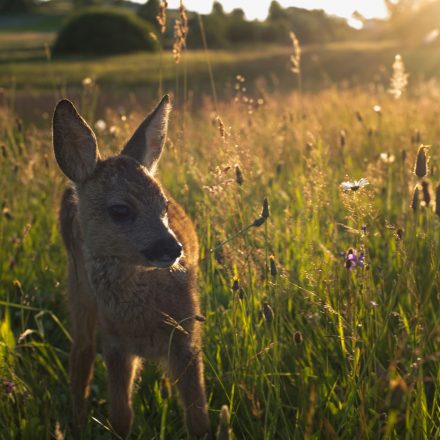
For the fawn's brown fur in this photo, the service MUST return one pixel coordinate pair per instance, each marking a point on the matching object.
(126, 271)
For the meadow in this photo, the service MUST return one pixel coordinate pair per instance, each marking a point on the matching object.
(301, 340)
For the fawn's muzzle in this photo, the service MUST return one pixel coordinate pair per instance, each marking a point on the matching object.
(163, 252)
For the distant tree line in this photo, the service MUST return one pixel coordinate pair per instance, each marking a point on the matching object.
(16, 5)
(223, 30)
(226, 29)
(23, 6)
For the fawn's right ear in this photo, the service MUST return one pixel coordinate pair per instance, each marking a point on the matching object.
(74, 142)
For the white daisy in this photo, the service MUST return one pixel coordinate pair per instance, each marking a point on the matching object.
(355, 185)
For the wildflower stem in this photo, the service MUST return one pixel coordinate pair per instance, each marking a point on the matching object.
(266, 258)
(389, 189)
(232, 237)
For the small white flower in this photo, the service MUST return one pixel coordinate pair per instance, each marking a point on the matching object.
(387, 157)
(114, 130)
(87, 82)
(100, 125)
(377, 108)
(355, 185)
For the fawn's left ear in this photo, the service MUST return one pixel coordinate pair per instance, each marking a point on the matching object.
(74, 143)
(148, 140)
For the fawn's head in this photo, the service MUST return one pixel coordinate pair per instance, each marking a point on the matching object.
(122, 208)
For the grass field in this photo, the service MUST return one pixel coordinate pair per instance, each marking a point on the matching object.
(295, 343)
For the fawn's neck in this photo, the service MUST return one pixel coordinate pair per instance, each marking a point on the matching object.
(109, 274)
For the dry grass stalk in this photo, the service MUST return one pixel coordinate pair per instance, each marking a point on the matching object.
(221, 127)
(162, 17)
(180, 33)
(399, 79)
(295, 58)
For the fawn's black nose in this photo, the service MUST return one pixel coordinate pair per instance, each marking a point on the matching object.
(163, 250)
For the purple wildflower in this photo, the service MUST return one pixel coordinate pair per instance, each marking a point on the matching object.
(8, 386)
(352, 260)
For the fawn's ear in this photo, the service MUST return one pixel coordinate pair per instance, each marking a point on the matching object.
(74, 143)
(148, 140)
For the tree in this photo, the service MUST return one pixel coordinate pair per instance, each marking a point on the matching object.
(276, 12)
(217, 9)
(16, 5)
(237, 14)
(81, 3)
(149, 11)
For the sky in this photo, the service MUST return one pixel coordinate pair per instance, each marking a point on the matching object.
(258, 8)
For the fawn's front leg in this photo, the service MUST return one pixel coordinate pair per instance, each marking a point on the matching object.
(121, 372)
(82, 354)
(186, 370)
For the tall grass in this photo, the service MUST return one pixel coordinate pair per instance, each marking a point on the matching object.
(297, 345)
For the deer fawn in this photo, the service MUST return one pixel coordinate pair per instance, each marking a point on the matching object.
(132, 268)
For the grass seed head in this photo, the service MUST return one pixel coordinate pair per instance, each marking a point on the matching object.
(265, 213)
(298, 337)
(238, 175)
(162, 17)
(268, 312)
(273, 266)
(399, 78)
(221, 127)
(235, 283)
(180, 33)
(295, 58)
(426, 193)
(421, 166)
(415, 199)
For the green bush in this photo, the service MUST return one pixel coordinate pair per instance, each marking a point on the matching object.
(103, 31)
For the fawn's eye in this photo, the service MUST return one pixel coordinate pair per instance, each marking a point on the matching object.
(120, 213)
